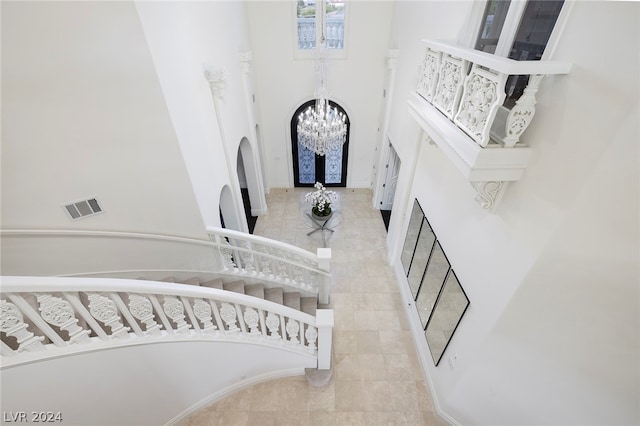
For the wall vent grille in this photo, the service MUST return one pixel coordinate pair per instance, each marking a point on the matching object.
(83, 208)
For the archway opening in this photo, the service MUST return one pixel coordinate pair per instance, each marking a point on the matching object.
(249, 187)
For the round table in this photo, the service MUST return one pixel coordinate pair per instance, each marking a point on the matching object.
(322, 226)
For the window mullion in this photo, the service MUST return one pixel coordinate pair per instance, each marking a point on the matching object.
(510, 28)
(320, 21)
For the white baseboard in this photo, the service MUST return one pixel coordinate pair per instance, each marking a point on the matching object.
(424, 356)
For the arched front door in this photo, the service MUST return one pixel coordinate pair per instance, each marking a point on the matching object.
(309, 168)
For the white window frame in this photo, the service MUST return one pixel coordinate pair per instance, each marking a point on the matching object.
(511, 25)
(308, 54)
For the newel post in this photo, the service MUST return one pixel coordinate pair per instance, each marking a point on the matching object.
(324, 264)
(324, 324)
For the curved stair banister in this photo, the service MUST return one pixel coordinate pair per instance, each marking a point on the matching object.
(235, 253)
(276, 261)
(45, 317)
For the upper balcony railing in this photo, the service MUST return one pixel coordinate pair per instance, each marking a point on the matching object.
(334, 33)
(459, 104)
(468, 87)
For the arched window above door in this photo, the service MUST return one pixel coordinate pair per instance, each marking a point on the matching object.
(309, 168)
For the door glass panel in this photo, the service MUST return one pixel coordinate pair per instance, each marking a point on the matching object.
(333, 166)
(307, 164)
(432, 283)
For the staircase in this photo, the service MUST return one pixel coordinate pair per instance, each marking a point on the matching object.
(179, 331)
(291, 299)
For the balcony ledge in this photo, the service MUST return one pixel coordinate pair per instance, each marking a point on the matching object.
(458, 103)
(493, 163)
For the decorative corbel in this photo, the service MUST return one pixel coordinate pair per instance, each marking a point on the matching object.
(488, 193)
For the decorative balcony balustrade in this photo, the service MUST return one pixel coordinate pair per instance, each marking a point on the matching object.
(459, 104)
(43, 317)
(334, 33)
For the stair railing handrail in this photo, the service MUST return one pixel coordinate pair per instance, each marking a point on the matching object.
(183, 311)
(236, 253)
(258, 256)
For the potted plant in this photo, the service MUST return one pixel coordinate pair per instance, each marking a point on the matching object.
(320, 201)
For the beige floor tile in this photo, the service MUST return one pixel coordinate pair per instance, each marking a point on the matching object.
(376, 376)
(349, 396)
(369, 342)
(376, 396)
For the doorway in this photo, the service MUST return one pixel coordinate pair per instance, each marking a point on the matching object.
(392, 170)
(309, 168)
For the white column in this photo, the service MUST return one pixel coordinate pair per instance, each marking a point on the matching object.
(258, 161)
(217, 83)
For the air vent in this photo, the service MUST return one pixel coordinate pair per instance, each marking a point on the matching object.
(83, 208)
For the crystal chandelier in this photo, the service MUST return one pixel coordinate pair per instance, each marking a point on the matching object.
(321, 128)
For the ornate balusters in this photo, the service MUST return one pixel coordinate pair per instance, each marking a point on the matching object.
(12, 323)
(202, 311)
(104, 310)
(522, 113)
(449, 84)
(483, 94)
(228, 314)
(311, 334)
(226, 253)
(142, 310)
(273, 324)
(179, 311)
(293, 329)
(60, 313)
(252, 319)
(174, 309)
(429, 74)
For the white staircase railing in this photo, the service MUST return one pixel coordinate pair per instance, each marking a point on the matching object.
(238, 254)
(253, 256)
(44, 317)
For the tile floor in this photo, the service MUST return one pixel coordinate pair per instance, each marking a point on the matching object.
(377, 378)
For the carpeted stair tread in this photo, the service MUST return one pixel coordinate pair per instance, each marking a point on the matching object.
(274, 295)
(292, 300)
(237, 286)
(217, 283)
(168, 280)
(191, 281)
(308, 305)
(255, 290)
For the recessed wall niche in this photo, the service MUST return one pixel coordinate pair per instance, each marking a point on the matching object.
(438, 295)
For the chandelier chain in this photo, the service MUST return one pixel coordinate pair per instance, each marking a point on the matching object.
(322, 128)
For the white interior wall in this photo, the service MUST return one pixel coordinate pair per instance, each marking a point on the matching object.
(149, 384)
(83, 116)
(284, 83)
(553, 320)
(184, 38)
